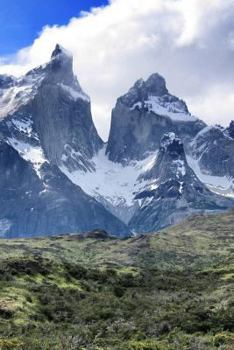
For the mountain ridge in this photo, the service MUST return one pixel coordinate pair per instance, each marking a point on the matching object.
(46, 118)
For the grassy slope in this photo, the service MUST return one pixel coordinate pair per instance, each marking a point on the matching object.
(169, 291)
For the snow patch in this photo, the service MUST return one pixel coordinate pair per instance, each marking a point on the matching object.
(222, 185)
(18, 95)
(114, 182)
(74, 93)
(172, 109)
(180, 168)
(33, 154)
(23, 125)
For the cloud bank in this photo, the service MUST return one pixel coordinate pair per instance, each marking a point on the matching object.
(191, 43)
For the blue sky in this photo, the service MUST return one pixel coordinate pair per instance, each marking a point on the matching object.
(22, 20)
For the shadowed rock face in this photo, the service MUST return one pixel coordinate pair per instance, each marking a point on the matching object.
(142, 116)
(178, 194)
(70, 136)
(48, 205)
(214, 148)
(230, 129)
(6, 81)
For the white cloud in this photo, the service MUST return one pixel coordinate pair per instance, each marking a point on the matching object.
(189, 42)
(217, 101)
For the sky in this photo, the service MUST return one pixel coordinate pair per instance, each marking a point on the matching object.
(22, 20)
(116, 42)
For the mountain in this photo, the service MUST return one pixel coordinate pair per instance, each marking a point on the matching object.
(175, 192)
(142, 116)
(167, 291)
(45, 124)
(47, 105)
(58, 176)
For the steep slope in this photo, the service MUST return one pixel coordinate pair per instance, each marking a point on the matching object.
(49, 102)
(142, 116)
(177, 191)
(45, 124)
(212, 158)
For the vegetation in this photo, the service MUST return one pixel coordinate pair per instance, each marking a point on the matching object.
(167, 291)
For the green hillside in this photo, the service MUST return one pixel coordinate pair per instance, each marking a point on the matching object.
(168, 291)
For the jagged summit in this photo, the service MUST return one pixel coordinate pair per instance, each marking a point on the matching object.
(171, 161)
(59, 50)
(143, 115)
(156, 85)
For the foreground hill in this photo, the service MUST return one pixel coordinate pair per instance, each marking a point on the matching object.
(169, 291)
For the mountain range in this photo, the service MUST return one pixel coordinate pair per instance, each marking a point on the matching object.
(159, 165)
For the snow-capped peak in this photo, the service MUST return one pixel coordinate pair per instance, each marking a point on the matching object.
(60, 51)
(152, 96)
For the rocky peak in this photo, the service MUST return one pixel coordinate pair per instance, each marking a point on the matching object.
(60, 67)
(59, 70)
(60, 51)
(171, 161)
(156, 85)
(143, 115)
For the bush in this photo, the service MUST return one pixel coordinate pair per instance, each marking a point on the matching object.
(10, 344)
(223, 338)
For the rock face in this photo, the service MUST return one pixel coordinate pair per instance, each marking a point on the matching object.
(230, 129)
(48, 205)
(142, 116)
(212, 155)
(45, 123)
(177, 191)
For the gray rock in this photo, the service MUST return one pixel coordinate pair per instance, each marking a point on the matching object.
(214, 148)
(32, 206)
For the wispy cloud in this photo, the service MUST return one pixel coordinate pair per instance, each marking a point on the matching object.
(189, 42)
